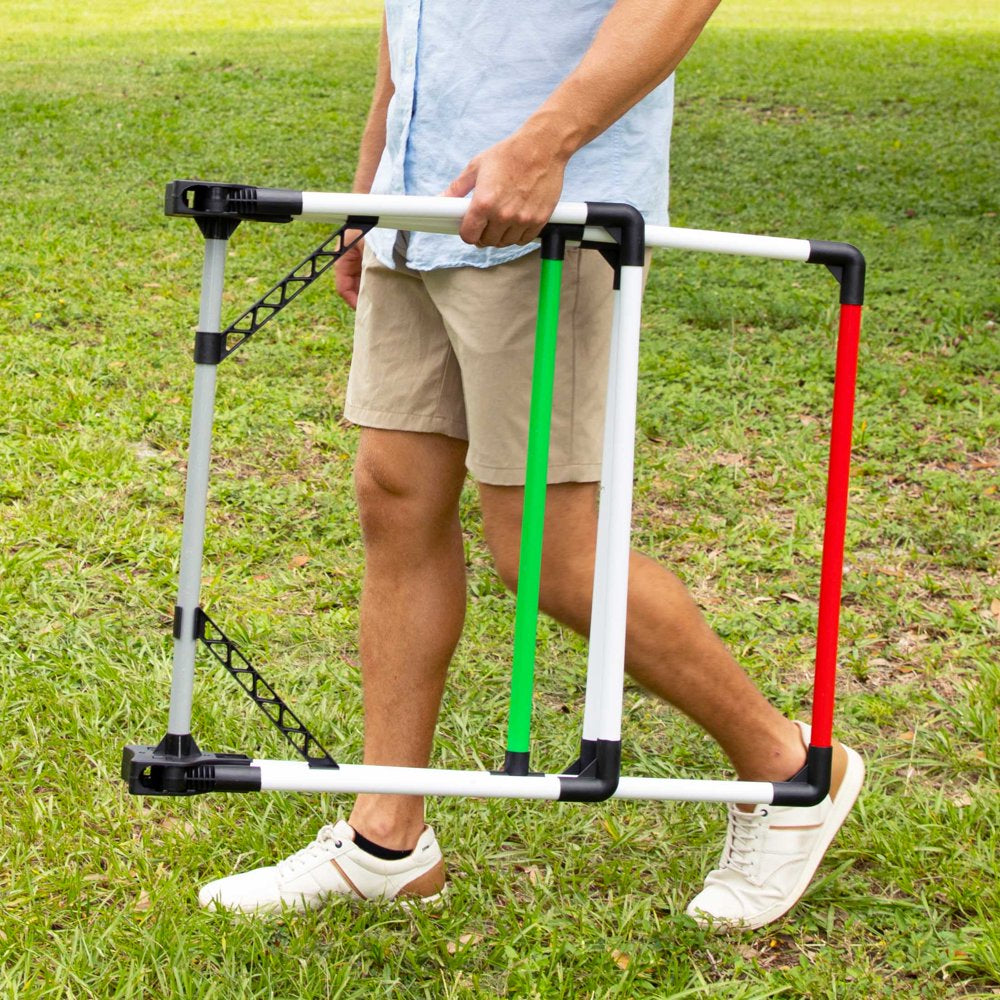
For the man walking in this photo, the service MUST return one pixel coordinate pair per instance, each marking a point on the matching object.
(516, 105)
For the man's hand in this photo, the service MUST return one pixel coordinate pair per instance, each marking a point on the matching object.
(347, 271)
(516, 185)
(518, 181)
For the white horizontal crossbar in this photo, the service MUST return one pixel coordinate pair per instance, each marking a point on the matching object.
(444, 215)
(406, 211)
(298, 776)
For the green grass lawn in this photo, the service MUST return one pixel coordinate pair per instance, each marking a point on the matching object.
(871, 122)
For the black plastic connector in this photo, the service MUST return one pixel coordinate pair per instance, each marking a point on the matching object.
(626, 224)
(177, 767)
(516, 763)
(178, 626)
(211, 348)
(232, 203)
(231, 657)
(846, 263)
(593, 777)
(811, 785)
(554, 238)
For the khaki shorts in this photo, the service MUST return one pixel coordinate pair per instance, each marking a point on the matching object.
(450, 352)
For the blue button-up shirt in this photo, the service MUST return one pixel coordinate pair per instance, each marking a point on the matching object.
(468, 73)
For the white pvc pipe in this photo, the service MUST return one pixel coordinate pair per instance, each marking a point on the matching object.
(295, 776)
(744, 244)
(619, 499)
(598, 606)
(694, 790)
(400, 211)
(444, 215)
(298, 776)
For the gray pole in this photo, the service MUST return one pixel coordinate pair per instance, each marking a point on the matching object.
(196, 496)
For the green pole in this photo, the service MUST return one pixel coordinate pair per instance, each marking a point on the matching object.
(533, 516)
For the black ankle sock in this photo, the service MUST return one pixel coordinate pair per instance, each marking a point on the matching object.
(377, 850)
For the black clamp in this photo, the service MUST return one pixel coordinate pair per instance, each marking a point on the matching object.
(220, 208)
(177, 767)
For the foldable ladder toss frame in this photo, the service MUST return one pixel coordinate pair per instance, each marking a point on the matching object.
(176, 766)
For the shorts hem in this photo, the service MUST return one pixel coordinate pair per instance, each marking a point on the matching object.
(507, 476)
(386, 420)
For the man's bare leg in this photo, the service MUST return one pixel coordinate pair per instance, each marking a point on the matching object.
(412, 609)
(669, 649)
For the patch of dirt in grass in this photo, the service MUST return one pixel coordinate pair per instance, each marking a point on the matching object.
(965, 466)
(898, 662)
(979, 466)
(775, 951)
(767, 112)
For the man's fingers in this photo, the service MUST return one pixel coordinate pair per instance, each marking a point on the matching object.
(501, 236)
(474, 225)
(463, 183)
(505, 228)
(347, 275)
(509, 205)
(474, 221)
(347, 289)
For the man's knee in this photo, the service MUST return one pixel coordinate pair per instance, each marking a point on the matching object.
(401, 493)
(378, 490)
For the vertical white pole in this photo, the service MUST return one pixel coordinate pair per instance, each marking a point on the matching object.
(196, 495)
(598, 627)
(620, 502)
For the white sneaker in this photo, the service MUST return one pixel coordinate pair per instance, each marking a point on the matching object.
(772, 853)
(332, 865)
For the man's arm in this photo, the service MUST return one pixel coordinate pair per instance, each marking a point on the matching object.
(348, 267)
(517, 182)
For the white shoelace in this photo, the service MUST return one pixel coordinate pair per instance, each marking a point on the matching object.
(745, 831)
(320, 849)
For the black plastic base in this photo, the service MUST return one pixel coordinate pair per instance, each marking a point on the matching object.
(178, 767)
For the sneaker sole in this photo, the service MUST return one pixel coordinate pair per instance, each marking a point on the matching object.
(850, 787)
(301, 904)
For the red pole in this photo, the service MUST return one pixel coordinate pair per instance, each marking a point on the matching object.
(838, 479)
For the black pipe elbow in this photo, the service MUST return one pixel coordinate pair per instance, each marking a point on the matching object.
(594, 777)
(846, 263)
(811, 785)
